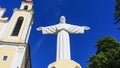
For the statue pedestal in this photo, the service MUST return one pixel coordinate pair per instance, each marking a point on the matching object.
(64, 64)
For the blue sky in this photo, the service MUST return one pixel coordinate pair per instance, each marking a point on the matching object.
(97, 14)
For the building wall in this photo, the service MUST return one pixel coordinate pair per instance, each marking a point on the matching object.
(18, 56)
(7, 51)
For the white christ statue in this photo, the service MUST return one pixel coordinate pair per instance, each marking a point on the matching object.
(63, 41)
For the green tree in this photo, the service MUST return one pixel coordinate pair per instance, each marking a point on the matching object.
(107, 55)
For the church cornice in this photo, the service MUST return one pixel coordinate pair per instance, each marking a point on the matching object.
(13, 43)
(22, 10)
(4, 20)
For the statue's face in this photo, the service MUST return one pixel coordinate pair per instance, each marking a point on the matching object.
(62, 19)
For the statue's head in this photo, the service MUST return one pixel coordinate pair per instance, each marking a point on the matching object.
(62, 19)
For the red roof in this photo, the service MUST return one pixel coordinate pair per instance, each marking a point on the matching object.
(28, 0)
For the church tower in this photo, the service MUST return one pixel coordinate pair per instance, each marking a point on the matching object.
(14, 35)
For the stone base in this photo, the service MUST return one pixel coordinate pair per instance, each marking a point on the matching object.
(64, 64)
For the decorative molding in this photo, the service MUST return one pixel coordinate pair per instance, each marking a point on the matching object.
(13, 43)
(16, 9)
(2, 11)
(5, 19)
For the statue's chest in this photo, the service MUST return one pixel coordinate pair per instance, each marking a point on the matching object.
(62, 27)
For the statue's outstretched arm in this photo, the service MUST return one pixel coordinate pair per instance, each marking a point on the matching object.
(86, 27)
(39, 28)
(47, 29)
(74, 29)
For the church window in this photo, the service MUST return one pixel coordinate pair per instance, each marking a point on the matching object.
(5, 58)
(25, 7)
(17, 26)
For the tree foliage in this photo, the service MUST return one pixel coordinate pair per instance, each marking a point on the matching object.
(107, 55)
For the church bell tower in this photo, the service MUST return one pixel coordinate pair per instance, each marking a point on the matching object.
(14, 35)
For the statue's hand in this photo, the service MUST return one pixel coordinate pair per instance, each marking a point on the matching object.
(39, 28)
(86, 27)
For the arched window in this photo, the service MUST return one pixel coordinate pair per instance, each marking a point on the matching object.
(17, 26)
(25, 7)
